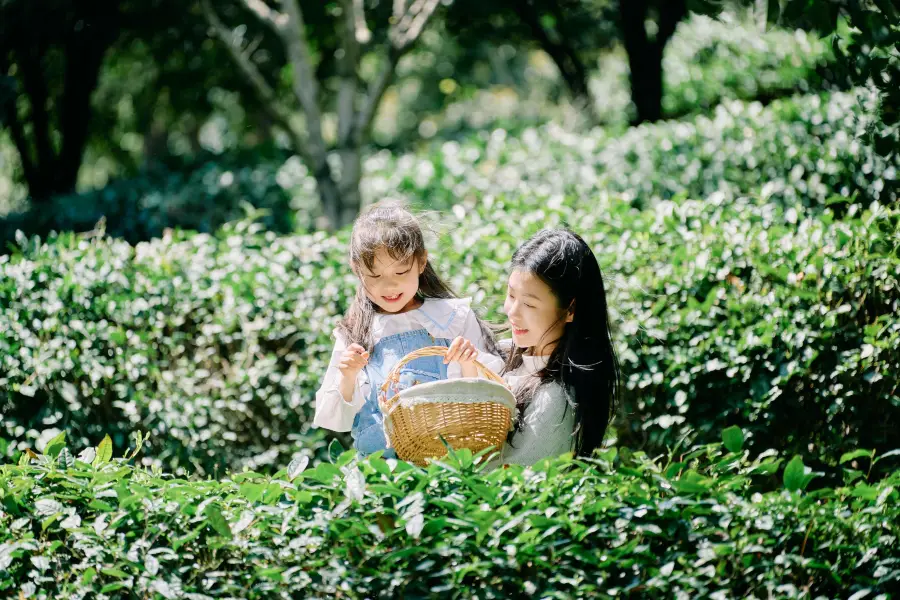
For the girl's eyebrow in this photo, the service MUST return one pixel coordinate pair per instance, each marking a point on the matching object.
(398, 264)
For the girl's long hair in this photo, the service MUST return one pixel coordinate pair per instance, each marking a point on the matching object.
(584, 360)
(393, 228)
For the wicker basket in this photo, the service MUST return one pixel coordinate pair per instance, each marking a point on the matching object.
(468, 413)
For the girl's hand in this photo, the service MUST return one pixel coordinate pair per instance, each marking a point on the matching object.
(353, 360)
(462, 351)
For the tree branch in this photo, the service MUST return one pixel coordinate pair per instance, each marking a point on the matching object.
(304, 83)
(375, 92)
(361, 28)
(242, 60)
(346, 101)
(267, 95)
(411, 24)
(274, 19)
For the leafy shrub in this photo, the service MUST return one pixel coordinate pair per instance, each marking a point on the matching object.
(729, 313)
(201, 197)
(213, 343)
(710, 59)
(711, 522)
(806, 150)
(756, 312)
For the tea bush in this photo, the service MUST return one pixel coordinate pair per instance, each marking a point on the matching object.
(808, 149)
(728, 312)
(201, 198)
(212, 342)
(710, 60)
(805, 150)
(713, 522)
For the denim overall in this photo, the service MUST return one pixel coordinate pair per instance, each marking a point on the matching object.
(368, 432)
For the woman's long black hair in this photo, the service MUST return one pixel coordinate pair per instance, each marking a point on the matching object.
(584, 360)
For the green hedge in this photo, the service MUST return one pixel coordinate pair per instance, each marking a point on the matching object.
(213, 343)
(727, 313)
(202, 197)
(217, 342)
(709, 60)
(713, 522)
(807, 149)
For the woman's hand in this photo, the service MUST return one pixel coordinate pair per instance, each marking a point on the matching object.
(464, 352)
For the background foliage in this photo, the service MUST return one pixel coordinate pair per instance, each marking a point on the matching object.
(167, 267)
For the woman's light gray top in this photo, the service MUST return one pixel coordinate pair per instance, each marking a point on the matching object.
(549, 420)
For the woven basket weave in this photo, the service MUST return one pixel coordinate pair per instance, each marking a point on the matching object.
(468, 413)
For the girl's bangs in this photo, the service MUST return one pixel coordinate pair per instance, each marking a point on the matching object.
(401, 245)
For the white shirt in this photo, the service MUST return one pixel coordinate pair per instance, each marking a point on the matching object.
(549, 421)
(442, 318)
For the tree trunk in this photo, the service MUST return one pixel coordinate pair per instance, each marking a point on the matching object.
(351, 175)
(645, 55)
(84, 58)
(52, 171)
(329, 195)
(571, 67)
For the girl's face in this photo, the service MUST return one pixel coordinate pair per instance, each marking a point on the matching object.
(534, 314)
(392, 284)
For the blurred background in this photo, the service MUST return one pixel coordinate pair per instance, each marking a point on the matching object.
(173, 112)
(132, 129)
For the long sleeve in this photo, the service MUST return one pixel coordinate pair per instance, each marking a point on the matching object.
(548, 426)
(332, 411)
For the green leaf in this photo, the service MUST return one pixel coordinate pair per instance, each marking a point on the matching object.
(866, 492)
(795, 476)
(65, 460)
(104, 452)
(113, 572)
(733, 438)
(55, 445)
(253, 491)
(139, 440)
(335, 450)
(848, 456)
(217, 521)
(179, 542)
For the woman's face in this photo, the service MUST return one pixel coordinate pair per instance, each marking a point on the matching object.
(392, 284)
(534, 314)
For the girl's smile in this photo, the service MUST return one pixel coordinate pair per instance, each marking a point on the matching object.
(392, 284)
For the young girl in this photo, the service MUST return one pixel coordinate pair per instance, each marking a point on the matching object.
(562, 365)
(401, 305)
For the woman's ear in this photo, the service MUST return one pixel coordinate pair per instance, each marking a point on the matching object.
(570, 312)
(424, 262)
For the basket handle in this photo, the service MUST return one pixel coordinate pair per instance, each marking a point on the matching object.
(394, 376)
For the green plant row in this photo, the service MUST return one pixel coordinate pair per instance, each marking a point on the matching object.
(726, 312)
(807, 150)
(714, 521)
